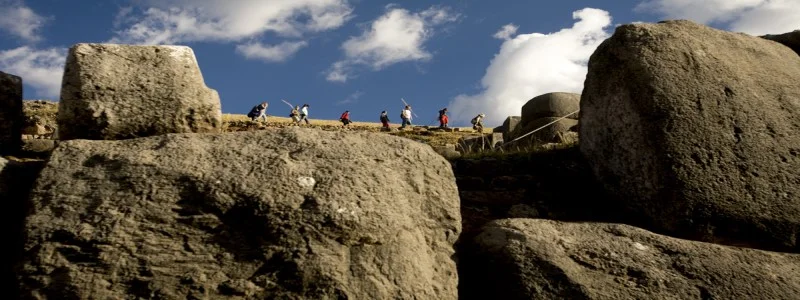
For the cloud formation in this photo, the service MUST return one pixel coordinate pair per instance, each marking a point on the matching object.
(350, 99)
(181, 21)
(271, 53)
(532, 64)
(756, 17)
(155, 22)
(506, 32)
(19, 20)
(39, 69)
(397, 36)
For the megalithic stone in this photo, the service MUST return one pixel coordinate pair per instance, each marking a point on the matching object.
(11, 116)
(112, 92)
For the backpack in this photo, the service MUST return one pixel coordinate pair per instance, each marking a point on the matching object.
(474, 120)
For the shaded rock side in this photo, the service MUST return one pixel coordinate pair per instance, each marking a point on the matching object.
(550, 105)
(550, 134)
(16, 181)
(789, 39)
(10, 113)
(509, 126)
(697, 131)
(543, 259)
(114, 92)
(293, 214)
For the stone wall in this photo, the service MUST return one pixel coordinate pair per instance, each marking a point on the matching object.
(554, 185)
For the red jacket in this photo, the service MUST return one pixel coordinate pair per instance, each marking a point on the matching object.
(345, 116)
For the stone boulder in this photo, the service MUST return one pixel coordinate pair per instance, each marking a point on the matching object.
(16, 179)
(697, 131)
(550, 105)
(789, 39)
(286, 214)
(10, 113)
(448, 151)
(114, 92)
(509, 126)
(40, 117)
(550, 134)
(544, 259)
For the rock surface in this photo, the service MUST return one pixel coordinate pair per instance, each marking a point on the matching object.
(10, 113)
(790, 39)
(550, 105)
(509, 126)
(114, 92)
(697, 131)
(550, 134)
(543, 259)
(290, 214)
(16, 179)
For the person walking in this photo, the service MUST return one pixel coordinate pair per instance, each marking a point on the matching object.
(295, 114)
(304, 114)
(345, 118)
(258, 111)
(443, 119)
(385, 121)
(477, 122)
(406, 116)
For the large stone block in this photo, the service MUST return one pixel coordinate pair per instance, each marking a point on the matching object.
(11, 117)
(550, 105)
(543, 259)
(114, 92)
(697, 131)
(290, 214)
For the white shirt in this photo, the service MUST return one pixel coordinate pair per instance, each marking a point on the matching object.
(407, 113)
(305, 111)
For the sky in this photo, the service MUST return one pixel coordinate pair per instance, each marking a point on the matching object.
(471, 56)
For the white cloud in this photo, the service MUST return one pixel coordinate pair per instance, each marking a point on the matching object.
(506, 32)
(396, 36)
(21, 21)
(352, 98)
(532, 64)
(756, 17)
(271, 53)
(40, 69)
(181, 21)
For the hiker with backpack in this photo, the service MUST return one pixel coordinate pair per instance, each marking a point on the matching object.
(406, 116)
(385, 120)
(304, 114)
(443, 119)
(477, 122)
(295, 114)
(345, 118)
(258, 111)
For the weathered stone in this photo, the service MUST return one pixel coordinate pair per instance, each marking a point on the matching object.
(509, 125)
(37, 147)
(789, 39)
(287, 214)
(550, 105)
(114, 92)
(550, 134)
(543, 259)
(11, 117)
(40, 117)
(448, 151)
(35, 129)
(16, 179)
(697, 131)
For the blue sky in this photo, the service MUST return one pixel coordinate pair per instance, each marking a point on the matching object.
(471, 56)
